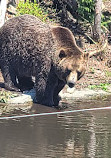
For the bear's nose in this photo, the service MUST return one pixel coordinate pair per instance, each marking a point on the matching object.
(71, 84)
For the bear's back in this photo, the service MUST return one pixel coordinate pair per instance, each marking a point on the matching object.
(25, 33)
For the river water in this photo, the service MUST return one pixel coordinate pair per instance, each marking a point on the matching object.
(84, 134)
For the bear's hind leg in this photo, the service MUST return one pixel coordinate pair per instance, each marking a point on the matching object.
(25, 83)
(9, 79)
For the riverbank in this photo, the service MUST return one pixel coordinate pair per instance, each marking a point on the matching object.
(72, 94)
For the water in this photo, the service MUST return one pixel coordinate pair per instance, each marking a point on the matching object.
(74, 135)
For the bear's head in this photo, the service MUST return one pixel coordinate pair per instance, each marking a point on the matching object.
(69, 60)
(71, 66)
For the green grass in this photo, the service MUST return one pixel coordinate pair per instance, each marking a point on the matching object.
(103, 86)
(6, 95)
(32, 9)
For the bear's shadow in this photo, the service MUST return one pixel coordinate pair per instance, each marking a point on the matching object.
(25, 83)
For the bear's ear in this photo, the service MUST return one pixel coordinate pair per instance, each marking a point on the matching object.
(62, 54)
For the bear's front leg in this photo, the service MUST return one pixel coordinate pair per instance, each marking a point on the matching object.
(58, 88)
(45, 88)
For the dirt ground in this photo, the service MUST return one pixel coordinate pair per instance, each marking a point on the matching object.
(97, 71)
(99, 67)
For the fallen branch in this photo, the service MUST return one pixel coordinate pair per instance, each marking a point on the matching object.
(99, 50)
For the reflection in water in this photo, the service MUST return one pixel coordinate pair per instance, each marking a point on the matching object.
(92, 142)
(75, 135)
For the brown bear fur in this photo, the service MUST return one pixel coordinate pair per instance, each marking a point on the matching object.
(29, 47)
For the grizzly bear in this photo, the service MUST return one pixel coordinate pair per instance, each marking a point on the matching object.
(31, 48)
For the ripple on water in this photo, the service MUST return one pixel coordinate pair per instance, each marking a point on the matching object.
(74, 135)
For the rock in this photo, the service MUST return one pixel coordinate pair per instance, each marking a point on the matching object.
(28, 96)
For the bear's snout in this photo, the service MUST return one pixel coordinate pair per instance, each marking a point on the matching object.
(71, 79)
(71, 84)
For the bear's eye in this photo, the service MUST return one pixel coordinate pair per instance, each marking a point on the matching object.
(62, 54)
(68, 71)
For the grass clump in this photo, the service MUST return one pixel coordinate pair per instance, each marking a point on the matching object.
(32, 9)
(108, 74)
(6, 95)
(103, 86)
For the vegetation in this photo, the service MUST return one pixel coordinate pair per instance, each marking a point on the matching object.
(103, 86)
(86, 9)
(6, 95)
(32, 9)
(106, 19)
